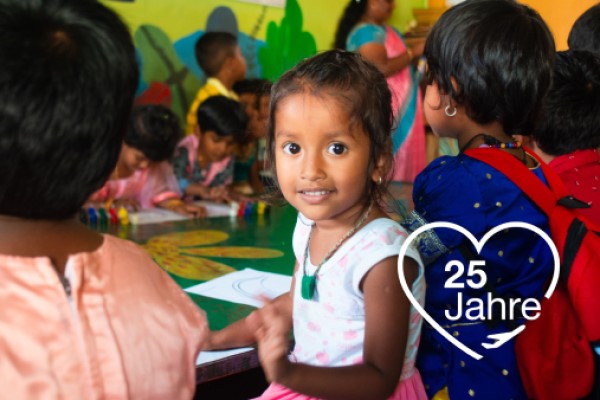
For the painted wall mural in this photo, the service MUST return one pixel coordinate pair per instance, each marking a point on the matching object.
(170, 75)
(287, 43)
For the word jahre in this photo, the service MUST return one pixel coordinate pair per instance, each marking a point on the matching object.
(476, 309)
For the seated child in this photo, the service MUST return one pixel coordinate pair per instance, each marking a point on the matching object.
(568, 134)
(142, 175)
(249, 154)
(203, 162)
(84, 315)
(220, 57)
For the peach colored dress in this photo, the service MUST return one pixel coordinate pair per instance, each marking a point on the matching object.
(125, 331)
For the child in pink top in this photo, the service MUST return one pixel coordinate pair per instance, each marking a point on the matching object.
(142, 175)
(84, 315)
(203, 162)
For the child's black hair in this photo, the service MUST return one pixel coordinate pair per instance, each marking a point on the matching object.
(255, 86)
(362, 91)
(585, 33)
(154, 130)
(212, 49)
(67, 79)
(493, 57)
(571, 113)
(223, 116)
(352, 14)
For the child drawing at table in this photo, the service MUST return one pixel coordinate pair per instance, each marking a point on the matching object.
(489, 66)
(84, 315)
(203, 161)
(143, 177)
(356, 334)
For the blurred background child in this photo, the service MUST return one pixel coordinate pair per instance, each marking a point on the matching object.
(362, 28)
(568, 134)
(249, 153)
(203, 162)
(85, 315)
(143, 178)
(220, 57)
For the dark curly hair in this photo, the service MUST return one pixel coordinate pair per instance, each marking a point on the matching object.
(571, 113)
(67, 80)
(154, 130)
(585, 33)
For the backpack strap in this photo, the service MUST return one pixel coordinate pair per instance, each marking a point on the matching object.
(546, 198)
(575, 235)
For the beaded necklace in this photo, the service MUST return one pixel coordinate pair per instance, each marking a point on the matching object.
(492, 142)
(309, 282)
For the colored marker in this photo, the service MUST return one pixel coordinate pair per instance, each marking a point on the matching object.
(114, 218)
(92, 216)
(123, 216)
(103, 216)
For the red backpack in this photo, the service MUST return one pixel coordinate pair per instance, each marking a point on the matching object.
(554, 352)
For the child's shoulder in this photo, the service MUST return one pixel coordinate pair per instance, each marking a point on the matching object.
(461, 175)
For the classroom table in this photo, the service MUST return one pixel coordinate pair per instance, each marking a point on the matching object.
(195, 251)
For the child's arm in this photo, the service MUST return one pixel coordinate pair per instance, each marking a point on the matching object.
(220, 194)
(242, 333)
(387, 318)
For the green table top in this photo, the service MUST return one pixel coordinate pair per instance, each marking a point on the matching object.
(195, 251)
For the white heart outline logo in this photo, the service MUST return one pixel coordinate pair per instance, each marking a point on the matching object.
(478, 246)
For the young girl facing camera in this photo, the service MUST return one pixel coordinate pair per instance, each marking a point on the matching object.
(489, 66)
(356, 334)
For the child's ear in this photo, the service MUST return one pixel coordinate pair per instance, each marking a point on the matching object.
(380, 170)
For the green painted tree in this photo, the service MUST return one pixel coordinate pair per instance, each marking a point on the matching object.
(286, 44)
(161, 64)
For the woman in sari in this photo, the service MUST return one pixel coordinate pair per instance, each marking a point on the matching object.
(362, 29)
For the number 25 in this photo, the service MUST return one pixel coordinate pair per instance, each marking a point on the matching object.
(460, 269)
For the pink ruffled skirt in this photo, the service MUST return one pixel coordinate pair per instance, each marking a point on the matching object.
(410, 388)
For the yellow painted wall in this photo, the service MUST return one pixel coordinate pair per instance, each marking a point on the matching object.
(560, 16)
(179, 18)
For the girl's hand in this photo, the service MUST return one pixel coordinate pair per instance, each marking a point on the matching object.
(273, 342)
(191, 209)
(219, 194)
(129, 204)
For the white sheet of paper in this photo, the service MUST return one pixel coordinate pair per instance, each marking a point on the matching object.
(244, 287)
(155, 215)
(209, 356)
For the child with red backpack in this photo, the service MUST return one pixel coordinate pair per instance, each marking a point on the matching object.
(567, 138)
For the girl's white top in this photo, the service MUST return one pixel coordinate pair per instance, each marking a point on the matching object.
(329, 329)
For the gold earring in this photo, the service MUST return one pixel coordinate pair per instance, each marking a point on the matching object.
(380, 180)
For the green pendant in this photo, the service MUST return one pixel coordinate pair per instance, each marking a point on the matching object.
(309, 284)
